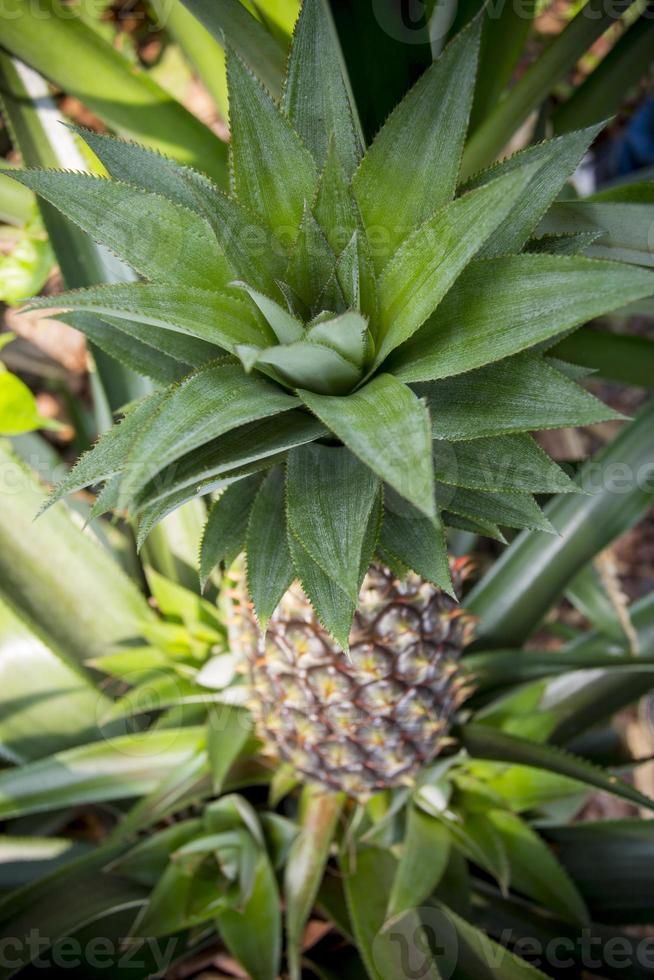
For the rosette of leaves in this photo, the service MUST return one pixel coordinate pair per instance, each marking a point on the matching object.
(352, 336)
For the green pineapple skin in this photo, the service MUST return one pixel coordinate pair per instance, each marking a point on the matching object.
(367, 721)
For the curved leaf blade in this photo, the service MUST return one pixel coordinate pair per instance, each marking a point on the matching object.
(484, 742)
(127, 765)
(387, 427)
(501, 307)
(329, 498)
(270, 569)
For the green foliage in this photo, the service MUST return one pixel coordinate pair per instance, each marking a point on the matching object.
(350, 348)
(330, 496)
(381, 332)
(533, 298)
(270, 567)
(419, 147)
(18, 409)
(69, 52)
(25, 269)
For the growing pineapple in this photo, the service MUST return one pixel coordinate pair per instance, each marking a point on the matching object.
(351, 346)
(368, 721)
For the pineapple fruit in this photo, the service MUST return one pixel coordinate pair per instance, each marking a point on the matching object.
(366, 721)
(350, 345)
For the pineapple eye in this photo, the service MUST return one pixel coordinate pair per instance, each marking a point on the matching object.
(328, 685)
(381, 697)
(294, 695)
(341, 755)
(415, 665)
(371, 662)
(400, 626)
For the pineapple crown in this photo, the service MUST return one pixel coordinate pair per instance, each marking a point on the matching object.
(352, 341)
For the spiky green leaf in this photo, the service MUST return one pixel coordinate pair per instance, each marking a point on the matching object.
(215, 318)
(252, 932)
(330, 496)
(412, 167)
(245, 241)
(387, 427)
(158, 239)
(415, 540)
(503, 306)
(269, 567)
(312, 262)
(264, 441)
(484, 742)
(554, 161)
(142, 166)
(625, 227)
(129, 350)
(187, 351)
(316, 95)
(512, 462)
(335, 208)
(423, 269)
(108, 454)
(226, 528)
(519, 394)
(333, 607)
(274, 173)
(514, 509)
(207, 403)
(567, 243)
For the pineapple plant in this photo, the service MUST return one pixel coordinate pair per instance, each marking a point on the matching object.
(348, 344)
(352, 345)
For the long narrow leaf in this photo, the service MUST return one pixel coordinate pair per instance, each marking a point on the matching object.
(47, 702)
(626, 358)
(554, 161)
(270, 569)
(483, 742)
(274, 172)
(518, 394)
(387, 427)
(503, 306)
(128, 765)
(422, 270)
(624, 227)
(214, 318)
(535, 85)
(316, 91)
(206, 404)
(417, 152)
(306, 863)
(329, 498)
(232, 24)
(32, 116)
(530, 575)
(64, 49)
(62, 595)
